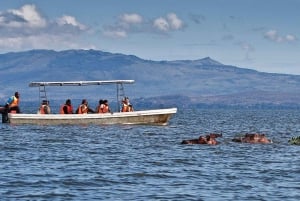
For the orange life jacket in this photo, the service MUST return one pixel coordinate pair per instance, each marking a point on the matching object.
(102, 108)
(105, 109)
(83, 109)
(69, 109)
(42, 109)
(15, 102)
(125, 108)
(99, 108)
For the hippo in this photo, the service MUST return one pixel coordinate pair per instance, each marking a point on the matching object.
(253, 138)
(207, 139)
(295, 140)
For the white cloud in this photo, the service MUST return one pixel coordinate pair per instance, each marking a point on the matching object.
(132, 18)
(170, 23)
(29, 15)
(290, 38)
(25, 28)
(174, 21)
(31, 42)
(161, 24)
(115, 33)
(70, 20)
(134, 23)
(126, 23)
(11, 43)
(274, 36)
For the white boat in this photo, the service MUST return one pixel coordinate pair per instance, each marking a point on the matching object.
(146, 117)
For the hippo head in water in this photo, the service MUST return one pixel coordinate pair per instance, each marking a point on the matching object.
(207, 139)
(253, 138)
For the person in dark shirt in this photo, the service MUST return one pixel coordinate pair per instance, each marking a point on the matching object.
(67, 108)
(12, 104)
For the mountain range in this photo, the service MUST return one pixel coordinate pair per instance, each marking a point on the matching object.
(184, 83)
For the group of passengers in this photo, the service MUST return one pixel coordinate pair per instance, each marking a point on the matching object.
(83, 108)
(12, 106)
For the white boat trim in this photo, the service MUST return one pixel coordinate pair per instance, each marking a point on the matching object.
(151, 117)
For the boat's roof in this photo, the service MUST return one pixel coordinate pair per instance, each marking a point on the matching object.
(80, 83)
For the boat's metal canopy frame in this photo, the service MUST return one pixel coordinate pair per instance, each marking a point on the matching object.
(80, 83)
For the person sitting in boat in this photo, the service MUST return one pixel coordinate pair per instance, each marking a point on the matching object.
(44, 108)
(103, 107)
(207, 139)
(255, 138)
(12, 104)
(99, 106)
(67, 108)
(84, 108)
(126, 106)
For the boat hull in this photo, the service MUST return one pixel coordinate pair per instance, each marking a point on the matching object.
(151, 117)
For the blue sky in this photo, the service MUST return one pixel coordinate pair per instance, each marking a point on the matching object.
(256, 34)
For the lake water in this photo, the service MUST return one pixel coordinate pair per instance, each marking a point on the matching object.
(149, 163)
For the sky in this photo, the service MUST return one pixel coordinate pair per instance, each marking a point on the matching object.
(256, 34)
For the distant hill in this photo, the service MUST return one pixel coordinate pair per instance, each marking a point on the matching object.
(181, 82)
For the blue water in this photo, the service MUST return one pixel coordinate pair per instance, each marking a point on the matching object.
(149, 163)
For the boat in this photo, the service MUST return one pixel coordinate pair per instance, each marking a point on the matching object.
(145, 117)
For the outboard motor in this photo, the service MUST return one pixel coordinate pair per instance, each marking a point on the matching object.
(4, 114)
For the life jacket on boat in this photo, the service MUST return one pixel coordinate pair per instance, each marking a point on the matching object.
(102, 108)
(69, 109)
(99, 108)
(126, 108)
(13, 101)
(44, 109)
(105, 109)
(83, 109)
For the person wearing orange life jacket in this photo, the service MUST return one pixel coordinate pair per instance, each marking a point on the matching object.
(106, 108)
(100, 106)
(67, 108)
(45, 108)
(126, 106)
(12, 104)
(103, 107)
(84, 108)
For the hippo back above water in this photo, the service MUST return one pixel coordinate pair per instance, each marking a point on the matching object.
(207, 139)
(253, 138)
